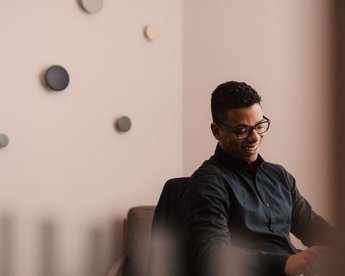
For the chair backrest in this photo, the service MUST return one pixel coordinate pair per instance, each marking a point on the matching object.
(168, 250)
(166, 213)
(142, 221)
(137, 240)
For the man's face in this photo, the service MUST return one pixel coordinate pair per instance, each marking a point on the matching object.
(246, 149)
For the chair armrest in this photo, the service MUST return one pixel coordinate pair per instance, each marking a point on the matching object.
(117, 265)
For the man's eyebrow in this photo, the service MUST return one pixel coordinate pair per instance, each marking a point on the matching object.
(243, 125)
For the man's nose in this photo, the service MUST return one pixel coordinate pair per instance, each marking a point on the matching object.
(254, 136)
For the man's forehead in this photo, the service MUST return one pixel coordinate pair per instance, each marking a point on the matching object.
(246, 115)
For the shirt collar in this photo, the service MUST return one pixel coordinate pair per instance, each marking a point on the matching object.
(232, 162)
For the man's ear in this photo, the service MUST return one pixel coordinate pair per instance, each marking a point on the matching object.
(215, 130)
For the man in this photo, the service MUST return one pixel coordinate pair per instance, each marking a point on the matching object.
(237, 206)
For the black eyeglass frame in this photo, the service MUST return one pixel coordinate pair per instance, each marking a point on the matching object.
(249, 128)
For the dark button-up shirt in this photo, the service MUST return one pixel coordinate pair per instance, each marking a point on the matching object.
(254, 207)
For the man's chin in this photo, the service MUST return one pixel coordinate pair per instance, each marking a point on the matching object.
(251, 158)
(250, 155)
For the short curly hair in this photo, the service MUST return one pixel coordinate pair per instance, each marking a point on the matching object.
(230, 95)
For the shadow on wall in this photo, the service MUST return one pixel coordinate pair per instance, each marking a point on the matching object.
(47, 234)
(6, 256)
(117, 243)
(96, 263)
(93, 259)
(339, 130)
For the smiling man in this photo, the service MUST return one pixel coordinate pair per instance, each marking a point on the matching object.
(239, 209)
(244, 143)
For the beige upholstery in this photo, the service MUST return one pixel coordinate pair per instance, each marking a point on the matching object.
(137, 235)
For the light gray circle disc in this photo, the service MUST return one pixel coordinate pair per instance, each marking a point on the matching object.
(123, 124)
(3, 140)
(92, 6)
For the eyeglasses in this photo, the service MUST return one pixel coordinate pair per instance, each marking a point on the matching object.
(244, 132)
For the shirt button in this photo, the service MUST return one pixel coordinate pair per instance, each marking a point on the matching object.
(267, 204)
(273, 229)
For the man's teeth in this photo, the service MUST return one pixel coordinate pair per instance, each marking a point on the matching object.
(251, 148)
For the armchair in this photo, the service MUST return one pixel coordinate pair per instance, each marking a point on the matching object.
(137, 235)
(141, 222)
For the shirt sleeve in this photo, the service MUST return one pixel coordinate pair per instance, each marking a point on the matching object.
(307, 225)
(204, 210)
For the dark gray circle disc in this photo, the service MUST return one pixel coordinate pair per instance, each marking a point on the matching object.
(57, 78)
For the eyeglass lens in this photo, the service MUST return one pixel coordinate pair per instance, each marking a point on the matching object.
(245, 132)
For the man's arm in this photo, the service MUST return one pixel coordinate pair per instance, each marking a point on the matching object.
(314, 232)
(204, 213)
(306, 225)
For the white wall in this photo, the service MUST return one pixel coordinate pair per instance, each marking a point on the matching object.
(283, 49)
(68, 177)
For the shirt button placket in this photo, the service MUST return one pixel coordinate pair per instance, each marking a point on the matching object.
(272, 228)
